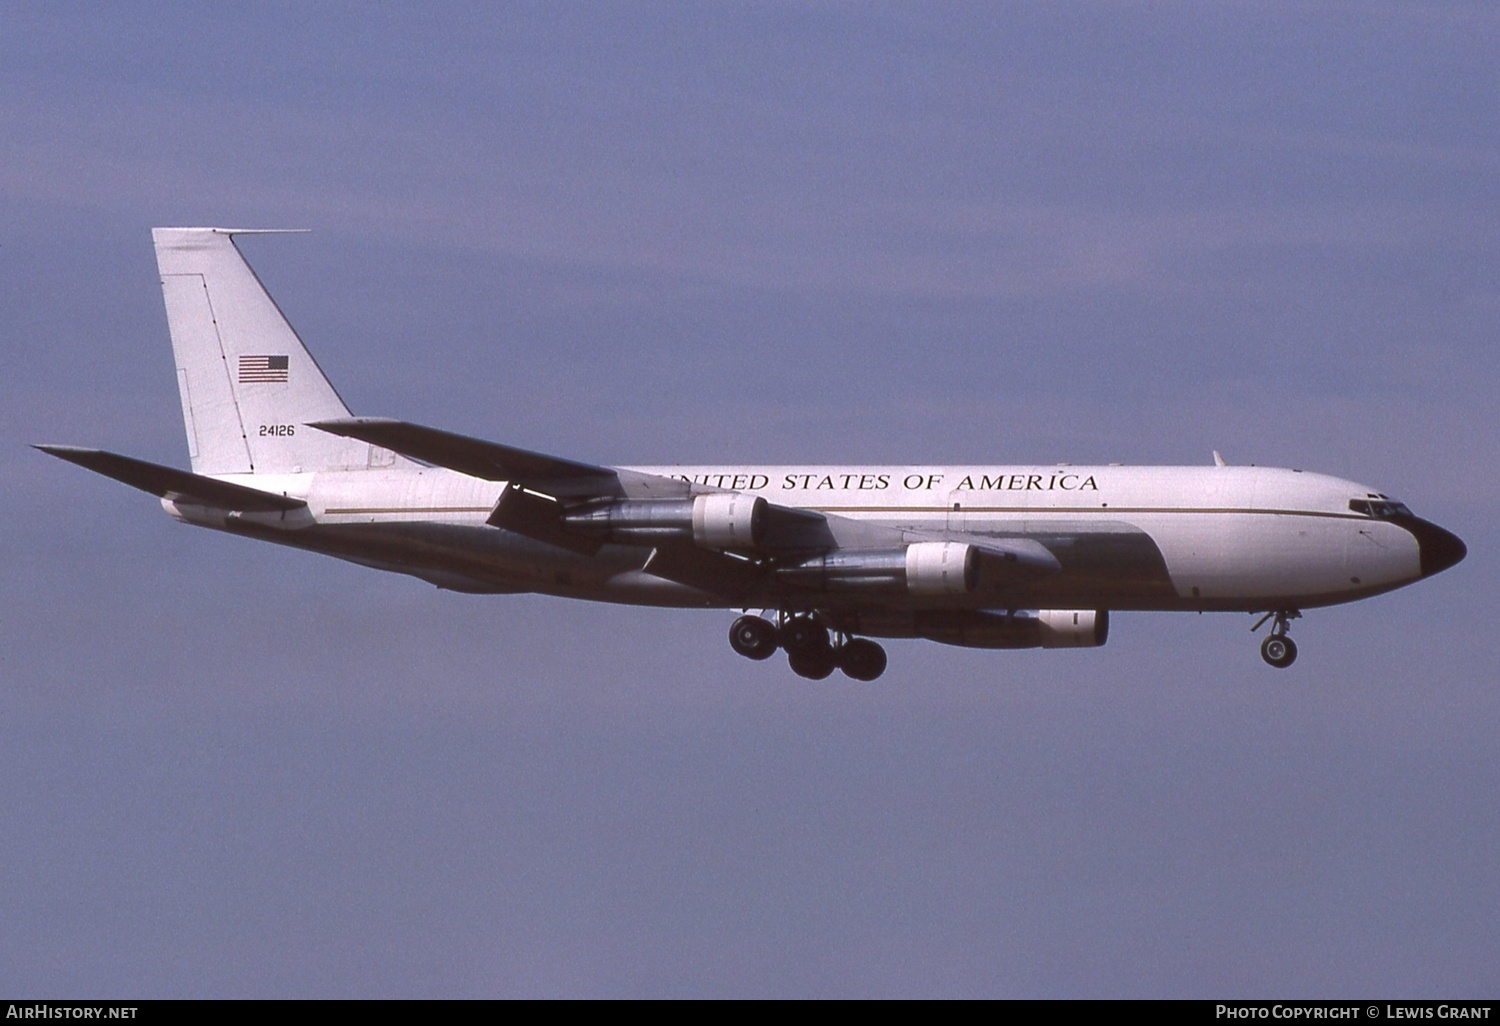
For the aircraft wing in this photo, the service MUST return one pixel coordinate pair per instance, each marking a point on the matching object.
(539, 487)
(173, 484)
(545, 494)
(492, 461)
(541, 490)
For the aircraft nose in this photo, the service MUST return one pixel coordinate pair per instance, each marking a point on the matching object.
(1440, 549)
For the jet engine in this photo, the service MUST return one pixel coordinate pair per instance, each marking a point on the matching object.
(719, 520)
(1073, 628)
(1047, 628)
(922, 568)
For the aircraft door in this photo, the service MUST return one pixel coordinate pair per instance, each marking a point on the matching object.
(956, 515)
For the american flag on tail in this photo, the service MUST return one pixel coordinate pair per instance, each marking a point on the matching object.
(257, 369)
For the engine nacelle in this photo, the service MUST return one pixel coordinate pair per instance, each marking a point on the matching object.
(1073, 628)
(922, 568)
(971, 628)
(941, 568)
(728, 520)
(719, 520)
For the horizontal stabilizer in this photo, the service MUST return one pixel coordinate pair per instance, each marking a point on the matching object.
(171, 483)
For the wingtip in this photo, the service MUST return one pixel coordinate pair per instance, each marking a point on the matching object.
(61, 451)
(262, 231)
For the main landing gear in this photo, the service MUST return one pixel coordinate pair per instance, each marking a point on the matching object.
(1278, 649)
(810, 651)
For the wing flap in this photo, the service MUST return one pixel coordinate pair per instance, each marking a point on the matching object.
(173, 484)
(1013, 561)
(537, 515)
(709, 570)
(789, 529)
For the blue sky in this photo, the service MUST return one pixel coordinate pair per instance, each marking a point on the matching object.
(1130, 232)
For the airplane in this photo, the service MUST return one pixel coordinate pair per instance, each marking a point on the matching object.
(817, 560)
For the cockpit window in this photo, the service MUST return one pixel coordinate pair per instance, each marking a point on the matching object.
(1380, 509)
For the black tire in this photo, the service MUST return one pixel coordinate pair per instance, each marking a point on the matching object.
(862, 659)
(1279, 650)
(804, 636)
(753, 637)
(812, 665)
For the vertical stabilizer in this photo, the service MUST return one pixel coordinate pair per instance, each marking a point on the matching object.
(248, 385)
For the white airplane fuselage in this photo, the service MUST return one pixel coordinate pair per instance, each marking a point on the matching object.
(1222, 538)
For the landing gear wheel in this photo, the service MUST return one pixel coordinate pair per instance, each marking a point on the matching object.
(803, 635)
(862, 659)
(812, 665)
(753, 637)
(1279, 650)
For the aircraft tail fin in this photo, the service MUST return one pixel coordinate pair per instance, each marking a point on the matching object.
(248, 384)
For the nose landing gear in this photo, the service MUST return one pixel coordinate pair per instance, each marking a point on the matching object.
(1278, 649)
(810, 651)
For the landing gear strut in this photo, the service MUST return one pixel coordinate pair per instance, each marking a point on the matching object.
(1278, 649)
(810, 651)
(802, 635)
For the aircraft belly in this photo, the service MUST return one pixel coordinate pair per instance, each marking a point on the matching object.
(459, 556)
